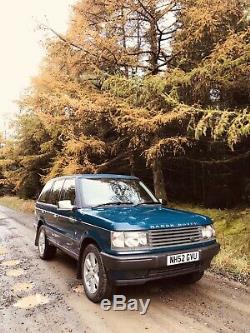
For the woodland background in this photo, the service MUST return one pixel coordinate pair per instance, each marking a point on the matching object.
(158, 89)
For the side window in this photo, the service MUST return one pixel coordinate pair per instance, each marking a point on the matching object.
(68, 191)
(45, 192)
(55, 192)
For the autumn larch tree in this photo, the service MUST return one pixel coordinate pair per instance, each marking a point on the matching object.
(149, 80)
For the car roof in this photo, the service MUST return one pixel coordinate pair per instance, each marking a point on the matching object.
(98, 176)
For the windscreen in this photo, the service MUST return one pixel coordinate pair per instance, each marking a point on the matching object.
(115, 191)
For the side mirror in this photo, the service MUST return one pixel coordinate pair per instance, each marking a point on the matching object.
(65, 205)
(163, 202)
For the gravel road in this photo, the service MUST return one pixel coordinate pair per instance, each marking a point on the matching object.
(39, 296)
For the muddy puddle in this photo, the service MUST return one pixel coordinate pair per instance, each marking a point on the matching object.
(31, 301)
(22, 286)
(15, 272)
(3, 250)
(10, 263)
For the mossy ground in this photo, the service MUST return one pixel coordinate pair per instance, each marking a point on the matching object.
(232, 231)
(26, 206)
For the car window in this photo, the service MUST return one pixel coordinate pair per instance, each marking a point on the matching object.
(45, 192)
(55, 192)
(68, 191)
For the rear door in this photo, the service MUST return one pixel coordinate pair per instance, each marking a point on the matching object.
(52, 206)
(42, 204)
(67, 220)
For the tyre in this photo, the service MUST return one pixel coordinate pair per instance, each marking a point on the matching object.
(46, 250)
(95, 280)
(191, 278)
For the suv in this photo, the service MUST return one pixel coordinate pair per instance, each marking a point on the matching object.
(120, 233)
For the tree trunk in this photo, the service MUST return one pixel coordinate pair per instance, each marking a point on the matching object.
(203, 182)
(132, 164)
(159, 182)
(153, 41)
(124, 43)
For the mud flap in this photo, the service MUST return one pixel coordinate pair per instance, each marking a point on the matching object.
(78, 270)
(36, 239)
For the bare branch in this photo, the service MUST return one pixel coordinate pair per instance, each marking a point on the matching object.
(63, 38)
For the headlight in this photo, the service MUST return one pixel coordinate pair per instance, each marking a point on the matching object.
(117, 239)
(208, 231)
(129, 240)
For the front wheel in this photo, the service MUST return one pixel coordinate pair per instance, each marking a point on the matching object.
(95, 280)
(191, 277)
(46, 251)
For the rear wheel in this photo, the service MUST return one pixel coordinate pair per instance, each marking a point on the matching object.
(46, 250)
(192, 277)
(95, 279)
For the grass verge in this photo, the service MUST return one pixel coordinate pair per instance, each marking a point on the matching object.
(232, 229)
(232, 232)
(26, 206)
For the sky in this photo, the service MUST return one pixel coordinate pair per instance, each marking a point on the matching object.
(22, 49)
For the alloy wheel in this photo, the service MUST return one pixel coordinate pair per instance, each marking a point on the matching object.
(41, 242)
(91, 272)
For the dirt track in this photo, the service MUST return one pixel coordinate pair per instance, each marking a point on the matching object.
(39, 296)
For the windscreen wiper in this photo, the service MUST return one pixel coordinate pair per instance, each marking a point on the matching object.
(148, 203)
(114, 203)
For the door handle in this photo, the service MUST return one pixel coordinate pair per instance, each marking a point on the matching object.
(55, 215)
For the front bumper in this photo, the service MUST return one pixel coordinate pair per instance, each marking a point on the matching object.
(140, 268)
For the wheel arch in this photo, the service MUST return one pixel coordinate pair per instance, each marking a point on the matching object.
(85, 242)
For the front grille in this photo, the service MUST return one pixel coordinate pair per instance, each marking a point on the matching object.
(175, 236)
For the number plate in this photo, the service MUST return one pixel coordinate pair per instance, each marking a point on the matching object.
(181, 258)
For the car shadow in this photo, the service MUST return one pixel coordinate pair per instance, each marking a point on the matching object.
(149, 289)
(65, 260)
(153, 288)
